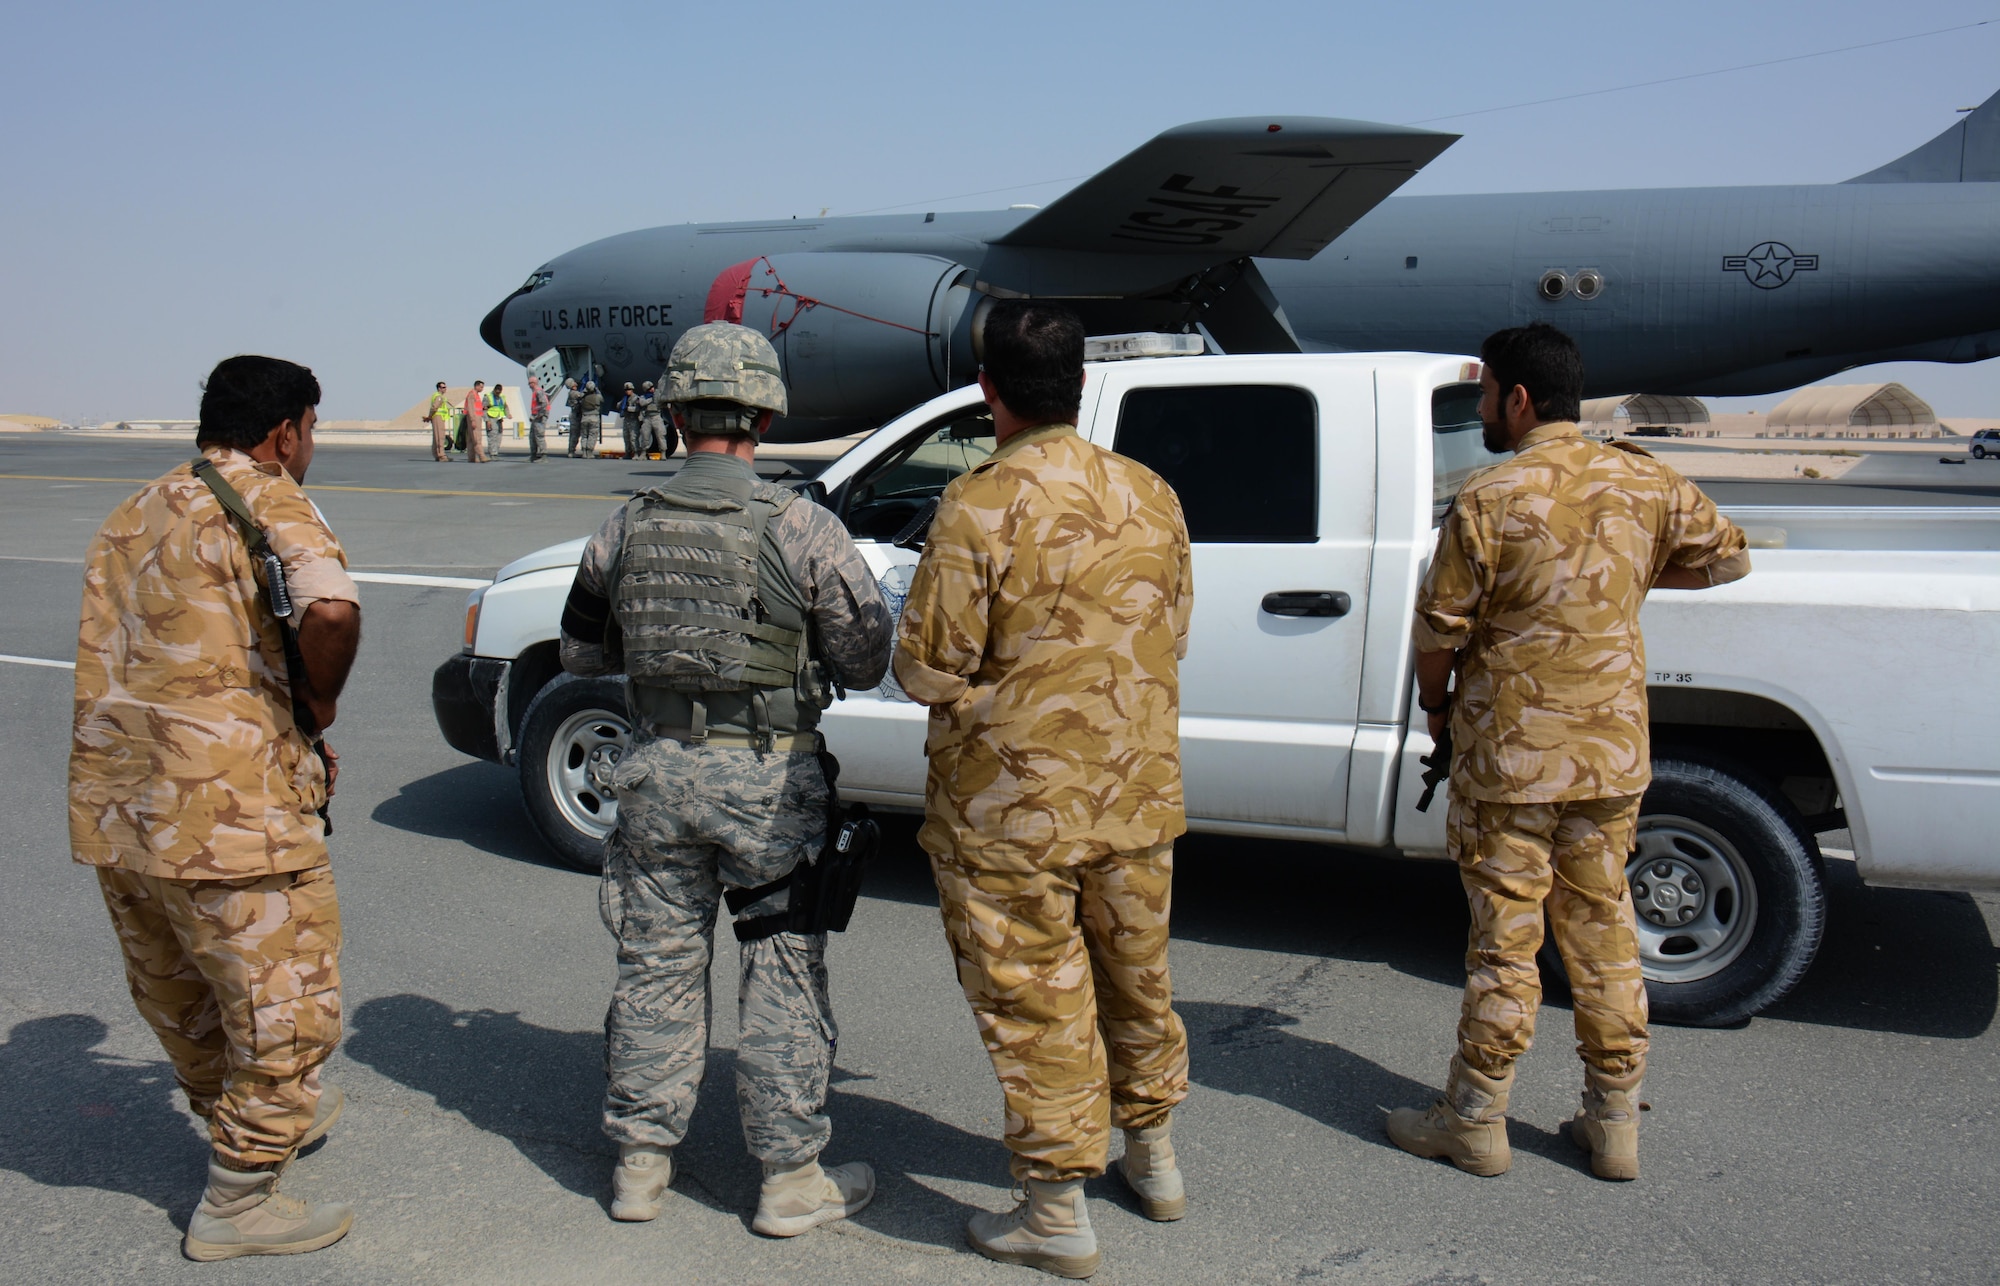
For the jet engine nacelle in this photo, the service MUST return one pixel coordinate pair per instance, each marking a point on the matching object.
(856, 331)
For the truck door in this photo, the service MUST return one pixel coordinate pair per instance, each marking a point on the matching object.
(1277, 481)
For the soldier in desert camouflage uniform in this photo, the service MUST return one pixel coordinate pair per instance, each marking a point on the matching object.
(194, 792)
(1044, 628)
(734, 606)
(1533, 598)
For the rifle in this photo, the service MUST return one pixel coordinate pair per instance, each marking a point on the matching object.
(279, 598)
(1437, 767)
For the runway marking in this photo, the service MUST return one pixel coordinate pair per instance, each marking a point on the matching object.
(435, 582)
(36, 660)
(595, 497)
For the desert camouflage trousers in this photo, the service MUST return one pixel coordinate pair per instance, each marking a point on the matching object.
(1518, 862)
(240, 980)
(692, 821)
(1066, 970)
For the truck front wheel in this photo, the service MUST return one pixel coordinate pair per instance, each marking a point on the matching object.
(572, 736)
(1726, 885)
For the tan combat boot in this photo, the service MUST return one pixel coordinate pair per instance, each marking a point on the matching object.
(1467, 1127)
(1148, 1169)
(1049, 1230)
(1607, 1125)
(243, 1213)
(643, 1173)
(799, 1198)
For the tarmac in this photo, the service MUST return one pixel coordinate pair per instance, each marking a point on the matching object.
(1847, 1135)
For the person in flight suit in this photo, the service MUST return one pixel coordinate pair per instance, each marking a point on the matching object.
(475, 423)
(439, 413)
(538, 420)
(735, 606)
(197, 791)
(1533, 599)
(628, 420)
(1044, 628)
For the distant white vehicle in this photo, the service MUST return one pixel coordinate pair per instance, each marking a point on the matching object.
(1801, 700)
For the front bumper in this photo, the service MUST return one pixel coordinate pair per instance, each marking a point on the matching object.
(469, 698)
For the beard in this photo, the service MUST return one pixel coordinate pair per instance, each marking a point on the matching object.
(1494, 435)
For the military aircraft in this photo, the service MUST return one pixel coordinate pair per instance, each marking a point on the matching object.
(1278, 234)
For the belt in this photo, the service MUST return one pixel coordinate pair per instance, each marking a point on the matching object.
(796, 742)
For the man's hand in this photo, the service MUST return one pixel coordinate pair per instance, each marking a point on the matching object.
(1433, 684)
(329, 636)
(332, 767)
(1438, 723)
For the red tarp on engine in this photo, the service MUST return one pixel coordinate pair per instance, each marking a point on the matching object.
(725, 297)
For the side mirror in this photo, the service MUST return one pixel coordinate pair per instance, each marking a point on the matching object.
(814, 490)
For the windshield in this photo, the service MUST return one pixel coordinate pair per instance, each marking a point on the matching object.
(882, 501)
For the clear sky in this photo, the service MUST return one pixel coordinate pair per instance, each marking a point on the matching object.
(353, 185)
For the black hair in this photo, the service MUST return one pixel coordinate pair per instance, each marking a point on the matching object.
(245, 397)
(1033, 353)
(1541, 359)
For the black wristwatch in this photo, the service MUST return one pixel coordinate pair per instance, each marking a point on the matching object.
(1440, 707)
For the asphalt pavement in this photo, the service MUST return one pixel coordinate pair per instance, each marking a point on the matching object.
(1847, 1135)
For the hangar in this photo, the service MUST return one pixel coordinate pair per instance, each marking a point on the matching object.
(1637, 412)
(1853, 411)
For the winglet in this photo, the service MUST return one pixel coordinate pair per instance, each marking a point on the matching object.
(1968, 152)
(1279, 187)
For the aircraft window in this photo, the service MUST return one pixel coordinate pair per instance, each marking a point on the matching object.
(539, 278)
(1244, 458)
(881, 502)
(1458, 448)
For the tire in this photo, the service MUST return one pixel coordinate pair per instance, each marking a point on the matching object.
(1726, 880)
(573, 733)
(1978, 452)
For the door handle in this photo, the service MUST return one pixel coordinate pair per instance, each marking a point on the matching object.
(1308, 602)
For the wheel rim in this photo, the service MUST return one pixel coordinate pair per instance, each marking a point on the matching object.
(586, 747)
(1695, 897)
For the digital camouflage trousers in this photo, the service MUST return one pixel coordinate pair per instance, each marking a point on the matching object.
(691, 822)
(1566, 860)
(240, 980)
(1066, 971)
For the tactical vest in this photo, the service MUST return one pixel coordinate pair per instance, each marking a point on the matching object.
(703, 649)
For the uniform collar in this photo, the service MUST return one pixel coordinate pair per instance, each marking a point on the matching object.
(702, 463)
(229, 458)
(1548, 433)
(1028, 437)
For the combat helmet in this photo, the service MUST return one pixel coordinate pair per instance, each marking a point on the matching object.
(720, 363)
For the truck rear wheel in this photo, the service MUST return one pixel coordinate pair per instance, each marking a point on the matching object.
(572, 736)
(1726, 883)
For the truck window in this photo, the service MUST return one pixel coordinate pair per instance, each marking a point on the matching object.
(1457, 448)
(882, 501)
(1244, 458)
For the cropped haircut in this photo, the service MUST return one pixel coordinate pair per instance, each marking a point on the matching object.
(245, 397)
(1542, 360)
(1033, 353)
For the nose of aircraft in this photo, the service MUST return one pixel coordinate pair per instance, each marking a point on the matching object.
(489, 327)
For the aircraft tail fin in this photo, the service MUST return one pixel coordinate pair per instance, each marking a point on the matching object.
(1968, 152)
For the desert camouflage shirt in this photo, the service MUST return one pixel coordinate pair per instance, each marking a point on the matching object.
(817, 569)
(1044, 628)
(1541, 568)
(185, 762)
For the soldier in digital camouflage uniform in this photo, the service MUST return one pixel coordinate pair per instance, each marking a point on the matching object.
(653, 439)
(1044, 628)
(1533, 598)
(628, 420)
(194, 792)
(589, 403)
(734, 605)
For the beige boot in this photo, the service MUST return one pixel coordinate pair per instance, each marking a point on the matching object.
(243, 1213)
(1607, 1125)
(1148, 1169)
(799, 1198)
(1467, 1127)
(1049, 1230)
(643, 1173)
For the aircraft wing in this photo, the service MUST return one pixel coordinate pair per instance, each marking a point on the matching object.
(1278, 187)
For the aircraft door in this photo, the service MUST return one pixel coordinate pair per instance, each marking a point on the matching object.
(578, 364)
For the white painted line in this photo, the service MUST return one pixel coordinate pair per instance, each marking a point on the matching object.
(435, 582)
(36, 660)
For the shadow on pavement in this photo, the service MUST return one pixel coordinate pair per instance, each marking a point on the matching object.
(475, 803)
(78, 1118)
(542, 1090)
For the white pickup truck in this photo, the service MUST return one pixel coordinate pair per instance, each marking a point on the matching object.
(1832, 689)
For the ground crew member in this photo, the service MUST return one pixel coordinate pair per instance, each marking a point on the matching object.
(628, 420)
(1533, 600)
(474, 423)
(653, 430)
(195, 789)
(1044, 628)
(495, 421)
(439, 413)
(735, 607)
(590, 418)
(538, 420)
(575, 401)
